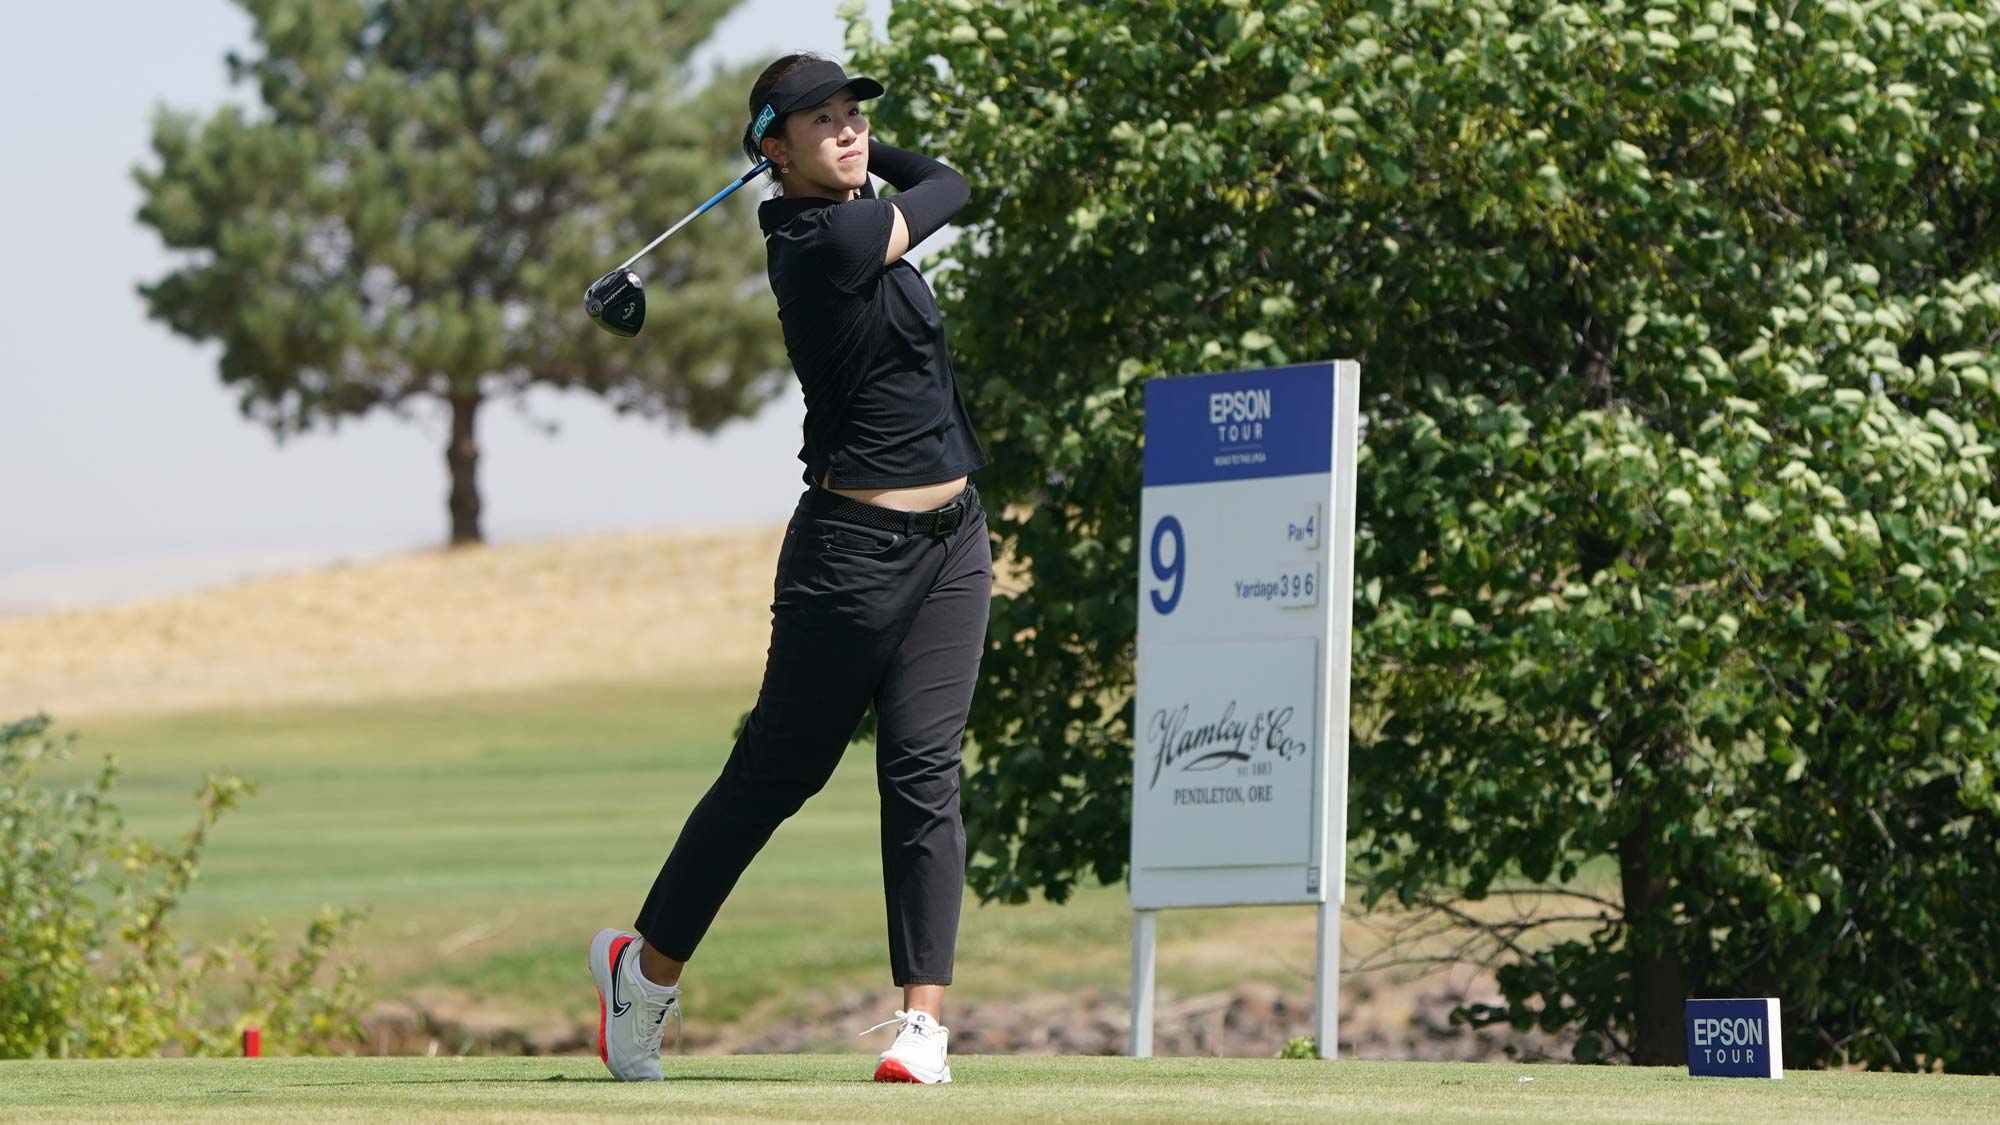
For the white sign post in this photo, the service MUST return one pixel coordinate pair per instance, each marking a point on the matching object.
(1246, 578)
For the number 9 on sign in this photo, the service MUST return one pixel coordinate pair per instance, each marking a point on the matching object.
(1174, 572)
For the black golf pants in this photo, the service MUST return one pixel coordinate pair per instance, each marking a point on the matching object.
(859, 616)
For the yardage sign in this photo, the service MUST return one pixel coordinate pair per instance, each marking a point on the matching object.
(1246, 539)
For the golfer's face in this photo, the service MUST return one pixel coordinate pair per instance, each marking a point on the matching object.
(830, 142)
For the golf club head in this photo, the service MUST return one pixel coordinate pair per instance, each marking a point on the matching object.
(616, 302)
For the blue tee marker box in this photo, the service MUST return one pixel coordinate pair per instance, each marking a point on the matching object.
(1735, 1038)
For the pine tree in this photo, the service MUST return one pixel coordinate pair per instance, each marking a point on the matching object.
(413, 209)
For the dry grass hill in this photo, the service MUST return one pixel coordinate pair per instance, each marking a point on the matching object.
(692, 606)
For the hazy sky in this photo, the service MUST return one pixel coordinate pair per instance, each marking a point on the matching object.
(125, 468)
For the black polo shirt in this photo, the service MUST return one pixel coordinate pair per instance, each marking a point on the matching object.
(883, 409)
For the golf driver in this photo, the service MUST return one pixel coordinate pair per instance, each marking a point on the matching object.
(616, 301)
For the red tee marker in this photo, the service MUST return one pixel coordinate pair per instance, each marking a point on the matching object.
(253, 1042)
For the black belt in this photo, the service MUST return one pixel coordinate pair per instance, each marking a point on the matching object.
(936, 522)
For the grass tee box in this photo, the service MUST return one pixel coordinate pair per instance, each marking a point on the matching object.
(989, 1088)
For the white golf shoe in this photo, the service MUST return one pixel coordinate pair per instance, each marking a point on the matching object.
(631, 1011)
(918, 1055)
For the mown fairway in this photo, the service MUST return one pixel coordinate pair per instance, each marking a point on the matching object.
(834, 1088)
(490, 836)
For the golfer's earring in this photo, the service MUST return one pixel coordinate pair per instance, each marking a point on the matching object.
(784, 170)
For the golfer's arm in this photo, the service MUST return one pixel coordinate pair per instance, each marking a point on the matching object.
(899, 235)
(928, 194)
(899, 229)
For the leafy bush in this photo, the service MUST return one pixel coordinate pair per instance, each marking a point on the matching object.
(1299, 1047)
(1678, 532)
(89, 964)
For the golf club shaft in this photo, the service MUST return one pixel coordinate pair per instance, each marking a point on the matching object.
(697, 212)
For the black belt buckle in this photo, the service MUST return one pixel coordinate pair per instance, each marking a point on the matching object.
(943, 521)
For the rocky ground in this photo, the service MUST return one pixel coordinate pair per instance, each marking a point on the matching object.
(1407, 1019)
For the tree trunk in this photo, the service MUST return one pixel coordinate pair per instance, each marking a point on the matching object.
(462, 458)
(1658, 1034)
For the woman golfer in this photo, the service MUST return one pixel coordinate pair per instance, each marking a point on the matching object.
(882, 584)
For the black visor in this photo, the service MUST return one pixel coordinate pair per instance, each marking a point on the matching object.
(804, 87)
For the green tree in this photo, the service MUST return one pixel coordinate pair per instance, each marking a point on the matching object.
(412, 211)
(1677, 541)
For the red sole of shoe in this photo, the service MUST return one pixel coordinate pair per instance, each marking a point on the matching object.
(616, 945)
(601, 1052)
(893, 1071)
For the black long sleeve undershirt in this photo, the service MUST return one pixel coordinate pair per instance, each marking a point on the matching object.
(929, 193)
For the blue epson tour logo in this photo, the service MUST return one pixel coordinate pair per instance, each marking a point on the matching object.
(1735, 1038)
(1238, 418)
(1240, 425)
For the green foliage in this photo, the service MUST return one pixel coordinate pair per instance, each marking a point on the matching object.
(412, 212)
(1677, 533)
(91, 967)
(1299, 1047)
